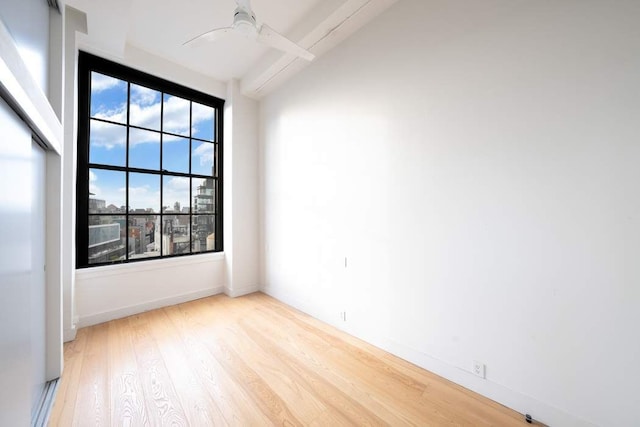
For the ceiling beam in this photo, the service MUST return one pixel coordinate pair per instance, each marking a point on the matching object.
(327, 25)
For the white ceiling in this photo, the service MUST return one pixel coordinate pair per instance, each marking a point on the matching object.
(160, 27)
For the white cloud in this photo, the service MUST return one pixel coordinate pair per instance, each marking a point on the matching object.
(202, 112)
(146, 115)
(204, 154)
(176, 189)
(178, 183)
(111, 195)
(138, 191)
(143, 95)
(107, 135)
(94, 189)
(176, 115)
(100, 83)
(118, 114)
(144, 197)
(137, 136)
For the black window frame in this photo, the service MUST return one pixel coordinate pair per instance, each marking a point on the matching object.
(88, 63)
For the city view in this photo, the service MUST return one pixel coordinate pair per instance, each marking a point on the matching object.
(148, 233)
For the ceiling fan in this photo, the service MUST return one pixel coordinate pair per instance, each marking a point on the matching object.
(244, 24)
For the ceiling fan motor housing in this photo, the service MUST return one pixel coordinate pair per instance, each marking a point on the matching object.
(244, 21)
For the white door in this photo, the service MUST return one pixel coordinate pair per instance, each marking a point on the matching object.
(22, 284)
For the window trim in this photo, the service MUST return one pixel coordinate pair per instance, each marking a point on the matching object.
(88, 63)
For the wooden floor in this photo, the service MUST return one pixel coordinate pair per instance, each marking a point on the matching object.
(251, 361)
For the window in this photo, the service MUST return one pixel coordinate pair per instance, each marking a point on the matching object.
(149, 167)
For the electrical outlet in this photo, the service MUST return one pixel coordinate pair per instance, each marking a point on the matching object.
(343, 316)
(479, 369)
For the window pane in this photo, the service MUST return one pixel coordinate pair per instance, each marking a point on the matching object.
(106, 191)
(175, 154)
(106, 239)
(176, 115)
(203, 195)
(175, 194)
(144, 193)
(175, 234)
(108, 98)
(203, 227)
(202, 156)
(203, 121)
(144, 236)
(144, 149)
(107, 144)
(144, 107)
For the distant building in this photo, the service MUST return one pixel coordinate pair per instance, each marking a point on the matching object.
(175, 235)
(96, 205)
(203, 221)
(106, 243)
(203, 200)
(143, 237)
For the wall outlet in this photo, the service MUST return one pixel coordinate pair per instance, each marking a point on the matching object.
(343, 316)
(479, 369)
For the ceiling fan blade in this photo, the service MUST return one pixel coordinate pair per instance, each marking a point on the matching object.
(209, 36)
(271, 37)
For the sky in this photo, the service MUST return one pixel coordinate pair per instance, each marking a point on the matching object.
(108, 144)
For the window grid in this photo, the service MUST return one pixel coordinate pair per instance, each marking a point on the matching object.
(194, 227)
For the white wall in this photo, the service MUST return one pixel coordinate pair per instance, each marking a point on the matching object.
(75, 23)
(112, 292)
(241, 232)
(28, 23)
(477, 162)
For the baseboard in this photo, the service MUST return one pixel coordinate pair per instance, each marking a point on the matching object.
(517, 401)
(69, 334)
(301, 304)
(241, 291)
(94, 319)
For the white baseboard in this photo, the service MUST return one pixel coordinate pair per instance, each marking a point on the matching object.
(517, 401)
(238, 292)
(94, 319)
(69, 334)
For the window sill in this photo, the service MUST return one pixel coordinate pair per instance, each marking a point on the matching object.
(159, 264)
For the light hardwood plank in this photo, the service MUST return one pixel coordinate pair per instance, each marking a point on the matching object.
(67, 394)
(199, 406)
(373, 390)
(235, 404)
(251, 361)
(163, 404)
(127, 397)
(92, 400)
(271, 370)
